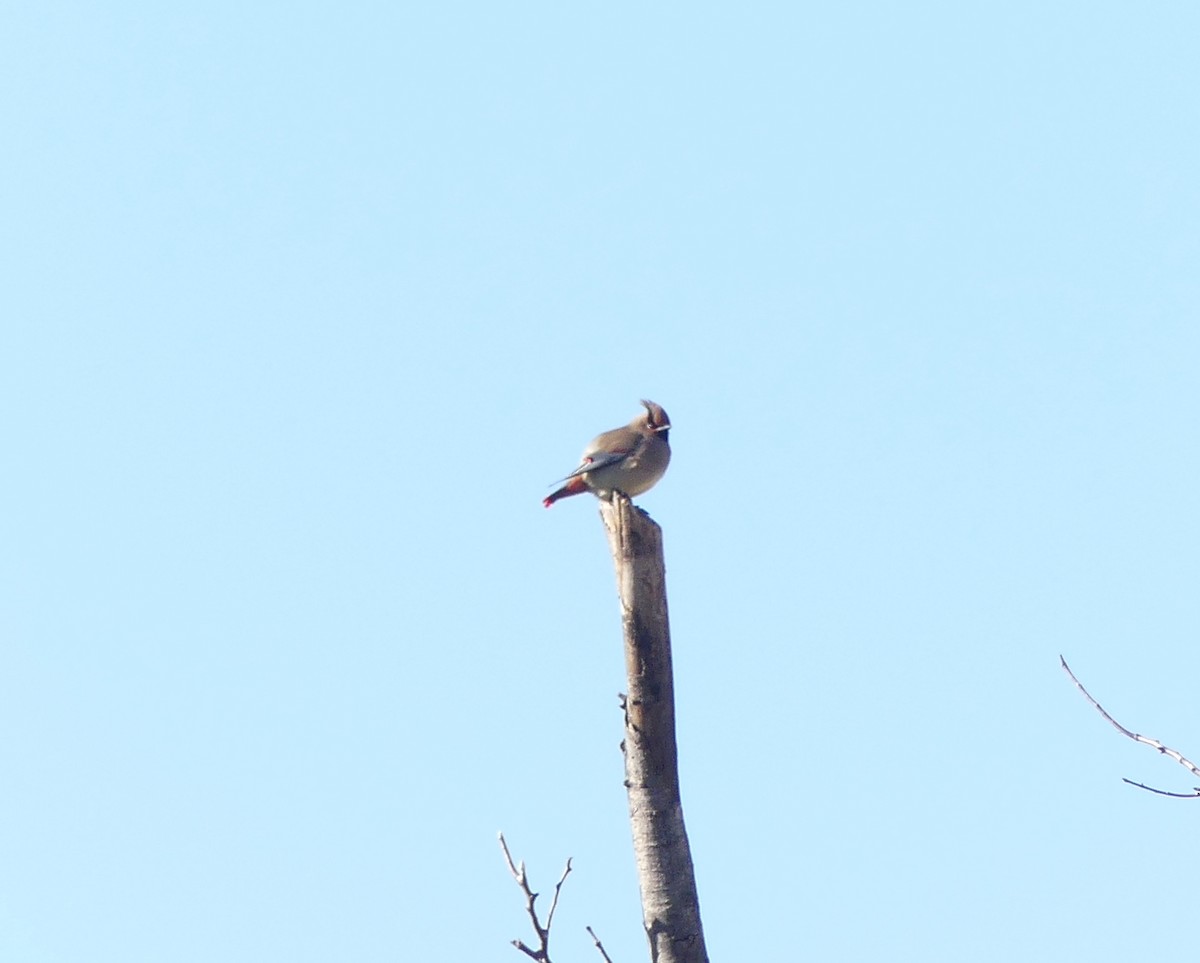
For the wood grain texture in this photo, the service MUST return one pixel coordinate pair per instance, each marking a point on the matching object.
(670, 904)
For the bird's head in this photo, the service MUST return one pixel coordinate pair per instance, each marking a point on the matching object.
(656, 419)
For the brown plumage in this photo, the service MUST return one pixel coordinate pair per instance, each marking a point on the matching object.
(630, 459)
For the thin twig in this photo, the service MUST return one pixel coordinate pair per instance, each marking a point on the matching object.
(599, 945)
(542, 953)
(508, 859)
(1137, 737)
(557, 890)
(1195, 793)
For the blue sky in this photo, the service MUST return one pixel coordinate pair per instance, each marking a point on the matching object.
(303, 310)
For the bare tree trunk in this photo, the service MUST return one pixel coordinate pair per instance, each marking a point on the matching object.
(670, 905)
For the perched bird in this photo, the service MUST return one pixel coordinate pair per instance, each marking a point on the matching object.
(628, 460)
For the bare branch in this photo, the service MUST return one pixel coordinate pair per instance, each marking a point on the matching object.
(557, 890)
(1194, 794)
(519, 876)
(599, 945)
(1137, 737)
(542, 953)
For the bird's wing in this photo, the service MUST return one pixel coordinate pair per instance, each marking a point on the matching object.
(600, 459)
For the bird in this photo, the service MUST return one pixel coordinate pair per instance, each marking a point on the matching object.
(629, 460)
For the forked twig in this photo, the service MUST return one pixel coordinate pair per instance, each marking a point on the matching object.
(1144, 740)
(599, 945)
(542, 953)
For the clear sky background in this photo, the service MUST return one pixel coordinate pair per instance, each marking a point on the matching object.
(304, 306)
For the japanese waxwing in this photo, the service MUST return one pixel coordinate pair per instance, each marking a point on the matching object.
(629, 460)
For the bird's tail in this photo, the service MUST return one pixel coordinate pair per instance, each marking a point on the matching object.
(574, 486)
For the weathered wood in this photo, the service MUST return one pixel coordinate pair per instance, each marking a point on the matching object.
(670, 904)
